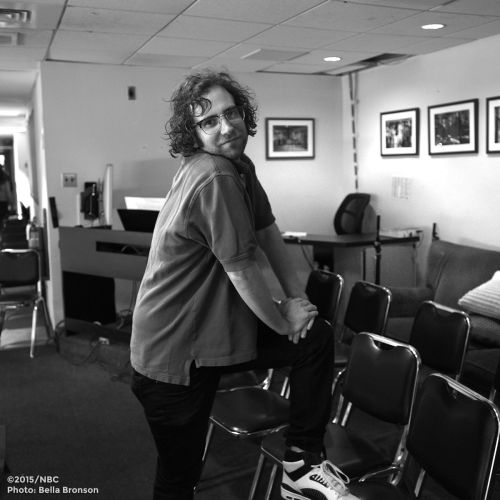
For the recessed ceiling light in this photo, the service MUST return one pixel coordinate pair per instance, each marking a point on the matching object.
(332, 59)
(436, 26)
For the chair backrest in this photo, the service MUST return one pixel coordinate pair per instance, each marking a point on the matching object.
(349, 216)
(441, 336)
(454, 437)
(367, 308)
(19, 267)
(381, 377)
(324, 289)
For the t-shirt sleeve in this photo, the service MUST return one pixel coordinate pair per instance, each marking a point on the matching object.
(221, 219)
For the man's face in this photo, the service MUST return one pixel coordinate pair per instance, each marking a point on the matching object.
(231, 137)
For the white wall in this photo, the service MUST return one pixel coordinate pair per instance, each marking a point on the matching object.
(89, 122)
(458, 192)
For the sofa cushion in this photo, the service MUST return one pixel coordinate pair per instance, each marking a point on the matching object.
(455, 269)
(485, 331)
(484, 299)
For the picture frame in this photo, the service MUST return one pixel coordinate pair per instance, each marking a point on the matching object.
(453, 127)
(493, 124)
(400, 132)
(290, 138)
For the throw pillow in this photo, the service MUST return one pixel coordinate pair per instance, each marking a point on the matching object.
(484, 299)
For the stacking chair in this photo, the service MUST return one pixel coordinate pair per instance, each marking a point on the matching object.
(367, 310)
(323, 289)
(441, 336)
(381, 381)
(453, 436)
(21, 286)
(254, 412)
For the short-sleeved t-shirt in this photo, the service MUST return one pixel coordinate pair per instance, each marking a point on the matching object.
(187, 308)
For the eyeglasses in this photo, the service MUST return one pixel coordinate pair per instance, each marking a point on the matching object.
(211, 125)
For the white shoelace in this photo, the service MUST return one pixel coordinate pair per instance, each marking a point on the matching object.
(336, 479)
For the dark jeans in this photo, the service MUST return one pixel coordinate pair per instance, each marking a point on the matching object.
(178, 415)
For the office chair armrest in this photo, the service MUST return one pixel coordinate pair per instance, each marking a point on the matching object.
(406, 300)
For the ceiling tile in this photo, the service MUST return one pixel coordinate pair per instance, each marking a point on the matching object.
(406, 4)
(289, 67)
(453, 23)
(212, 29)
(316, 57)
(394, 44)
(264, 11)
(484, 30)
(159, 6)
(164, 61)
(113, 21)
(349, 16)
(97, 41)
(22, 53)
(244, 50)
(183, 47)
(307, 38)
(434, 44)
(483, 7)
(89, 56)
(233, 64)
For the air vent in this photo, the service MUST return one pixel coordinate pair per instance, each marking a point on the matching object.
(384, 59)
(14, 17)
(9, 39)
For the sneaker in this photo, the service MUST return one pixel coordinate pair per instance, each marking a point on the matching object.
(323, 481)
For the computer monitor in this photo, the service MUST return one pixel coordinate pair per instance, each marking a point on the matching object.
(142, 221)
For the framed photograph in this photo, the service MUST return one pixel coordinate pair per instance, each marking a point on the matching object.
(289, 138)
(493, 125)
(399, 132)
(453, 127)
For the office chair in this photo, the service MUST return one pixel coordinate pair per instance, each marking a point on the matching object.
(453, 436)
(21, 286)
(381, 381)
(348, 219)
(441, 336)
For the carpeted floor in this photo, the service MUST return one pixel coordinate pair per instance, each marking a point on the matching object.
(71, 416)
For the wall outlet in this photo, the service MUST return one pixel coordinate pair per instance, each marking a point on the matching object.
(68, 180)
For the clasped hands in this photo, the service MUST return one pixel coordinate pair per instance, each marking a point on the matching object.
(300, 314)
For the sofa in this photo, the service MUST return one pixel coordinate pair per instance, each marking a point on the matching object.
(455, 276)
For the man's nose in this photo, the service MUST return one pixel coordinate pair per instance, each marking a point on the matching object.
(225, 125)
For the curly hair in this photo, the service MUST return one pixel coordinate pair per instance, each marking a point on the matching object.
(179, 128)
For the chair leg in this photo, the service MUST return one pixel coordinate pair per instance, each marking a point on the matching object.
(270, 484)
(208, 439)
(47, 320)
(2, 319)
(256, 476)
(33, 329)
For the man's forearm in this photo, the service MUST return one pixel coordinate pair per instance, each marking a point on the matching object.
(274, 248)
(253, 289)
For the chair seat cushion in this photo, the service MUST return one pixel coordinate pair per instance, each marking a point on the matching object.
(378, 490)
(353, 453)
(250, 410)
(349, 451)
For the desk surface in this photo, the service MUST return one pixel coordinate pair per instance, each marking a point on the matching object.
(348, 240)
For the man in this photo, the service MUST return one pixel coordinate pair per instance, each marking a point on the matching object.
(204, 308)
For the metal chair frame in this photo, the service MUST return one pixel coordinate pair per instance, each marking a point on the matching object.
(23, 273)
(448, 417)
(369, 354)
